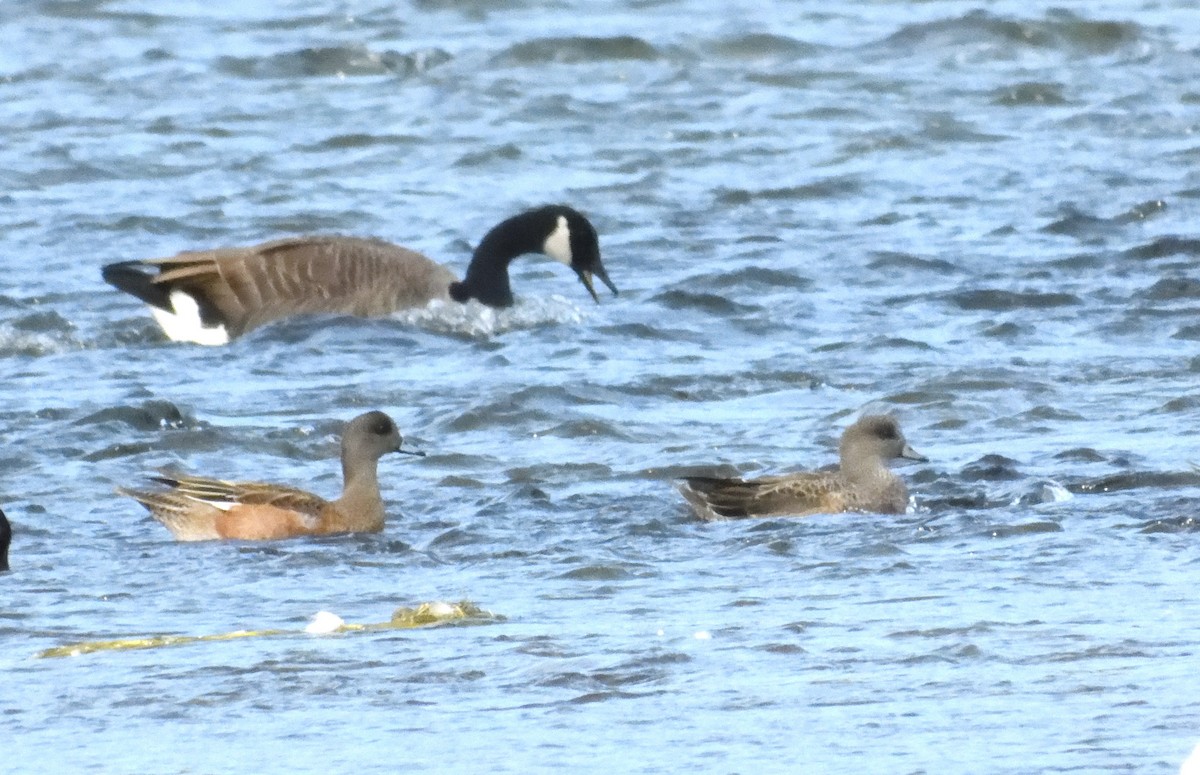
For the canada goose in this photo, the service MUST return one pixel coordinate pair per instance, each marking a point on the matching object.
(211, 296)
(197, 508)
(861, 483)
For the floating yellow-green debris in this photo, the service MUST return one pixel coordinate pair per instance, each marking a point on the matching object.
(424, 615)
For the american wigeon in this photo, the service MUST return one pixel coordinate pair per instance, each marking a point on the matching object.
(211, 296)
(196, 508)
(5, 540)
(861, 483)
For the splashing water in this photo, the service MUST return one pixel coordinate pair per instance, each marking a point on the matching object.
(481, 321)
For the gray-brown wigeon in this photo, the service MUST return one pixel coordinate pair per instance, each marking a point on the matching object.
(196, 508)
(861, 483)
(211, 296)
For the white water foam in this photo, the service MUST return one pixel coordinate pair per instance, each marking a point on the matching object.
(479, 320)
(17, 342)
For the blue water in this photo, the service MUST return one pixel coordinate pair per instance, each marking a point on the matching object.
(980, 217)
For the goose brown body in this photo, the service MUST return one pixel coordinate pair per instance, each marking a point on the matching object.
(244, 288)
(862, 482)
(196, 508)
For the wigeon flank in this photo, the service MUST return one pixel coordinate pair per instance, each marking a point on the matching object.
(199, 509)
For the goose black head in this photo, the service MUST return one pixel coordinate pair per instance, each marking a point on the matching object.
(572, 239)
(558, 231)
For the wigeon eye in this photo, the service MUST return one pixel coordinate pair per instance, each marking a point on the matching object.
(887, 431)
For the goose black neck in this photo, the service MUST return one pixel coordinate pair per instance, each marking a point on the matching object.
(487, 274)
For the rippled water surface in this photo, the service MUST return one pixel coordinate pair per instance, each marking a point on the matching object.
(979, 216)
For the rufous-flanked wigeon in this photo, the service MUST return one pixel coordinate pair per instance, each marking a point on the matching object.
(196, 508)
(211, 296)
(861, 483)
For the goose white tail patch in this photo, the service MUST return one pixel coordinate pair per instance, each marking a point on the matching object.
(184, 324)
(558, 244)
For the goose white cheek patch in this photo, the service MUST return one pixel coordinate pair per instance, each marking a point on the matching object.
(184, 324)
(558, 244)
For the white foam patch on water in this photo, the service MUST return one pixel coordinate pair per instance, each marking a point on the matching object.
(323, 623)
(479, 320)
(16, 342)
(442, 610)
(1053, 492)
